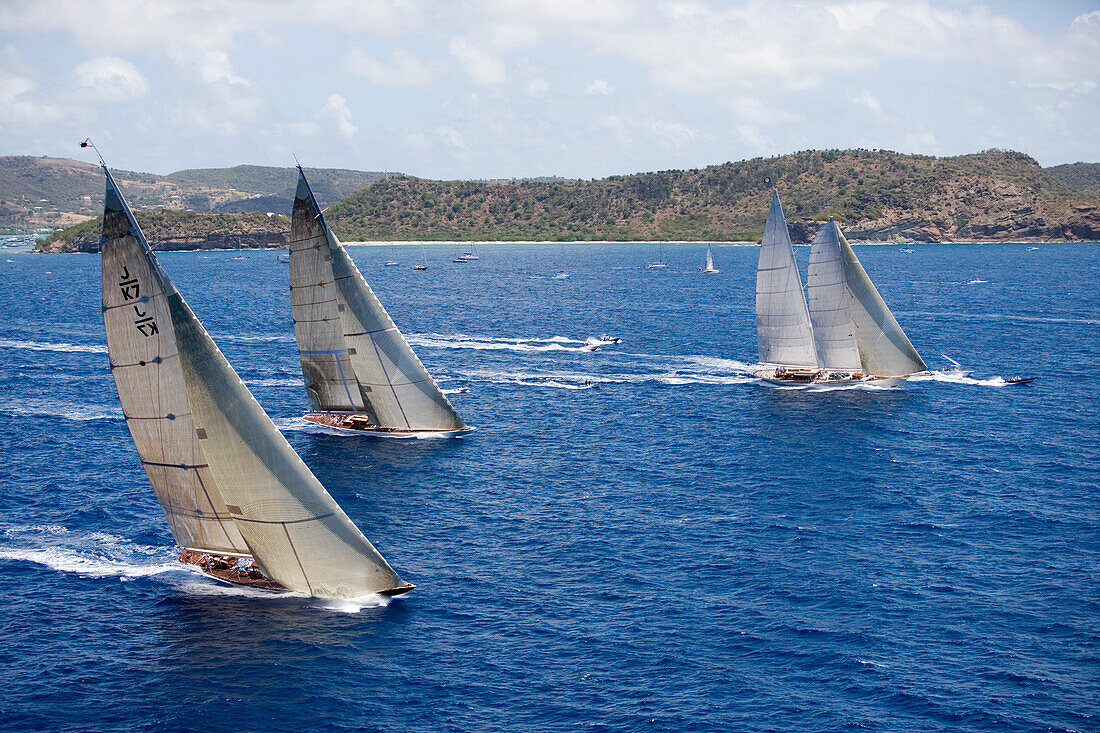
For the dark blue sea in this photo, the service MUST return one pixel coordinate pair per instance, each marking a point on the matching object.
(637, 538)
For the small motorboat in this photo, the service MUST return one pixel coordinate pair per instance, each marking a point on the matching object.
(420, 267)
(390, 263)
(1020, 380)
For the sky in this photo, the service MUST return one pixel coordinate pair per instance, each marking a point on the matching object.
(516, 88)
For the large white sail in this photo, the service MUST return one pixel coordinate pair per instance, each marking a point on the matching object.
(830, 314)
(141, 346)
(318, 327)
(296, 532)
(395, 388)
(884, 349)
(783, 332)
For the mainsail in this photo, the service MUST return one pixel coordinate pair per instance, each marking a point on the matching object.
(227, 479)
(830, 314)
(709, 266)
(354, 358)
(783, 332)
(884, 349)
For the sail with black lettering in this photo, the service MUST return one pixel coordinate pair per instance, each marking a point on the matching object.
(229, 483)
(360, 372)
(783, 332)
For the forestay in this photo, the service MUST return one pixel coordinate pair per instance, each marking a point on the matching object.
(827, 290)
(296, 532)
(884, 349)
(783, 331)
(395, 388)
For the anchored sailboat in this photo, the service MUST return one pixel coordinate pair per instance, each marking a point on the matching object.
(709, 266)
(360, 372)
(853, 336)
(241, 505)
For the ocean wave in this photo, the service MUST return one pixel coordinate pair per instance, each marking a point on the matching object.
(86, 563)
(89, 554)
(49, 346)
(581, 380)
(952, 377)
(65, 411)
(258, 338)
(275, 382)
(478, 344)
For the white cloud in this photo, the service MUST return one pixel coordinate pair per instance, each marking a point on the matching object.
(536, 88)
(336, 110)
(215, 68)
(450, 136)
(402, 69)
(755, 111)
(598, 87)
(675, 134)
(870, 102)
(109, 79)
(483, 68)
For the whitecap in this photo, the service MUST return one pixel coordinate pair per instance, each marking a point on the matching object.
(48, 346)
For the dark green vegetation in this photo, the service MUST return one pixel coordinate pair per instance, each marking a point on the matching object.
(181, 230)
(994, 195)
(991, 196)
(1078, 175)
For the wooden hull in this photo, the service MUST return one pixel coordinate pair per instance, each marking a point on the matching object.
(361, 424)
(230, 569)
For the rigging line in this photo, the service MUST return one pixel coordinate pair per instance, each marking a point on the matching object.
(345, 381)
(298, 559)
(221, 522)
(392, 388)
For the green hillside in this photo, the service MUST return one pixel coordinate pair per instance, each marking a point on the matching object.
(1078, 175)
(875, 194)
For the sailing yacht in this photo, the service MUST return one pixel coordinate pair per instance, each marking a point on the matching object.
(242, 506)
(709, 266)
(660, 263)
(846, 334)
(360, 372)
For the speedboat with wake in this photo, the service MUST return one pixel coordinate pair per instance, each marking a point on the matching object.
(842, 333)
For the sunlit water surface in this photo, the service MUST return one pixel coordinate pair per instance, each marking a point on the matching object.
(641, 537)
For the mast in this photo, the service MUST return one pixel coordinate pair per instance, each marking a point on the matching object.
(196, 426)
(395, 388)
(783, 331)
(830, 314)
(884, 349)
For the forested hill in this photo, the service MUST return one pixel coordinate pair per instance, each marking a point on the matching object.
(1078, 175)
(988, 196)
